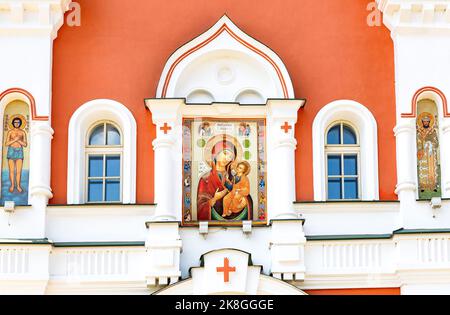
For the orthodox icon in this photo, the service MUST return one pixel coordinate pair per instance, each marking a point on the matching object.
(428, 160)
(223, 178)
(15, 163)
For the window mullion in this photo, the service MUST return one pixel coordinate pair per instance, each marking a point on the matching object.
(104, 177)
(342, 176)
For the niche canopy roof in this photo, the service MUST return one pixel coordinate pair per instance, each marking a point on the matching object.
(225, 65)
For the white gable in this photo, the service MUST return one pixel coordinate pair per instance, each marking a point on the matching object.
(225, 65)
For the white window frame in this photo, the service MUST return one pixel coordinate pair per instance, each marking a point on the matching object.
(103, 150)
(84, 118)
(343, 150)
(364, 123)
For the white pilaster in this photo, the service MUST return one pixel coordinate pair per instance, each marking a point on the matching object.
(163, 258)
(445, 156)
(27, 29)
(166, 115)
(40, 165)
(406, 189)
(287, 249)
(281, 146)
(420, 30)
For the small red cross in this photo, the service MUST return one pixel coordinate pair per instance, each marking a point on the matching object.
(286, 127)
(166, 128)
(226, 269)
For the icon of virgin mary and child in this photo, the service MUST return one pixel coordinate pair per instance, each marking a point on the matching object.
(224, 192)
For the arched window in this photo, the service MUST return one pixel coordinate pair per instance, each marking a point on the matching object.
(104, 163)
(102, 154)
(345, 153)
(342, 153)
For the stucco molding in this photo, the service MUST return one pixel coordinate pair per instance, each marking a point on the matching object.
(415, 15)
(83, 119)
(364, 121)
(25, 17)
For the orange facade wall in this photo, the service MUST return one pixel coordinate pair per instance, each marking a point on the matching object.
(378, 291)
(121, 47)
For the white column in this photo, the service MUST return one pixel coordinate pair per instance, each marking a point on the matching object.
(406, 189)
(281, 146)
(445, 157)
(163, 239)
(40, 164)
(166, 116)
(287, 239)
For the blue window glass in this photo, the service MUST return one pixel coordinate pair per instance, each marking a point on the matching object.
(349, 136)
(98, 135)
(112, 190)
(351, 188)
(350, 165)
(95, 190)
(334, 165)
(112, 135)
(334, 135)
(334, 188)
(113, 166)
(96, 166)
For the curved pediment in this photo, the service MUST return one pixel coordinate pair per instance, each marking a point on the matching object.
(225, 65)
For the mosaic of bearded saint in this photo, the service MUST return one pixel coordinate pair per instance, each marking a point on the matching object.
(427, 153)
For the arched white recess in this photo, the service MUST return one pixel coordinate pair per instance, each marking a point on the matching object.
(224, 61)
(81, 121)
(363, 120)
(444, 137)
(199, 96)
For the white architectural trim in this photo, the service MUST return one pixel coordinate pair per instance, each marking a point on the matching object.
(280, 148)
(364, 121)
(81, 121)
(417, 15)
(26, 17)
(226, 37)
(266, 286)
(444, 137)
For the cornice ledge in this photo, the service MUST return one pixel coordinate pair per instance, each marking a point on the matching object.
(35, 17)
(415, 15)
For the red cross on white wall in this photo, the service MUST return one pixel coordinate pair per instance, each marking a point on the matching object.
(226, 269)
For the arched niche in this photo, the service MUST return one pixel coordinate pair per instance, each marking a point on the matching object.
(429, 177)
(15, 163)
(229, 65)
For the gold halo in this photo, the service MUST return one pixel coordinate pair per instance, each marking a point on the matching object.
(207, 151)
(426, 114)
(249, 167)
(22, 118)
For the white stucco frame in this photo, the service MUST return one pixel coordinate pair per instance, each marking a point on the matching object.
(4, 102)
(364, 121)
(80, 123)
(444, 136)
(224, 35)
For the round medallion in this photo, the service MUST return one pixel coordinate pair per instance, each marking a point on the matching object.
(225, 75)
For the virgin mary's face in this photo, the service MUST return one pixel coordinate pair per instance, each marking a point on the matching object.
(224, 158)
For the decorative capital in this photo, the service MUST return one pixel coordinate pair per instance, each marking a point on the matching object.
(165, 111)
(408, 127)
(32, 16)
(284, 110)
(415, 15)
(42, 128)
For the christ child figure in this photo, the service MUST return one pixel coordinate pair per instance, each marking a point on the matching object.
(236, 200)
(16, 140)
